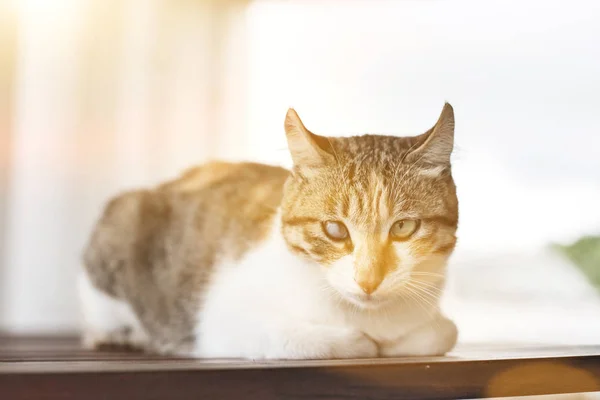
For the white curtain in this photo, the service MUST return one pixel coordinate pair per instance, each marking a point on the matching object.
(100, 96)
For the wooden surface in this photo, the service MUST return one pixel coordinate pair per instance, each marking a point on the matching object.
(55, 368)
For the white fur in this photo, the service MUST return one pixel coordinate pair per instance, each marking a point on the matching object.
(272, 304)
(107, 320)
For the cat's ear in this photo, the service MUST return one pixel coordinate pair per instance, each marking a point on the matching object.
(434, 147)
(307, 149)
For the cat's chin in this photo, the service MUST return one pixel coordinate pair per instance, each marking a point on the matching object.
(365, 302)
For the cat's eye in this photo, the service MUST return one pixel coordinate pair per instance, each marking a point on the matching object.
(335, 230)
(404, 229)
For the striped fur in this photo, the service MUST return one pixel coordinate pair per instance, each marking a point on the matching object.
(369, 182)
(232, 260)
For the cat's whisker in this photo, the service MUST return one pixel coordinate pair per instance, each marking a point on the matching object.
(425, 273)
(429, 310)
(423, 291)
(427, 291)
(429, 281)
(418, 299)
(426, 284)
(435, 293)
(424, 299)
(436, 286)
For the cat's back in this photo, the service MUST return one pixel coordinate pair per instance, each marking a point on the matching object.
(159, 246)
(232, 203)
(221, 174)
(218, 207)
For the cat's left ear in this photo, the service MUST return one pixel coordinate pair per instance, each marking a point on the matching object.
(434, 147)
(307, 149)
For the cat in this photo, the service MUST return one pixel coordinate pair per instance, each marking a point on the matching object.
(344, 256)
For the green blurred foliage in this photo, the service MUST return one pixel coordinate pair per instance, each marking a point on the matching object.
(585, 253)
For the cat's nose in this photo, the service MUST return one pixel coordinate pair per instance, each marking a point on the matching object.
(370, 266)
(368, 284)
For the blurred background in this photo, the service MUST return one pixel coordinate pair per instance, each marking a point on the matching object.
(98, 96)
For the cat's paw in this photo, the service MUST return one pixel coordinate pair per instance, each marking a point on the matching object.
(435, 338)
(320, 342)
(118, 339)
(354, 344)
(96, 340)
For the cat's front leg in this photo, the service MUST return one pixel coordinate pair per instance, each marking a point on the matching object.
(434, 338)
(321, 342)
(285, 341)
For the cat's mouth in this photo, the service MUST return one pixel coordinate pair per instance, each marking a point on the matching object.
(365, 301)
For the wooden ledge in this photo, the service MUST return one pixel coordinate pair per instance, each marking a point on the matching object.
(55, 368)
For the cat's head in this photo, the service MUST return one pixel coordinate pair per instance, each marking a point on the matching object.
(377, 213)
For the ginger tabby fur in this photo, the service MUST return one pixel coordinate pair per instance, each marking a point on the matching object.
(235, 260)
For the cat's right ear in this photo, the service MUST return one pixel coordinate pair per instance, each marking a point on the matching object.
(307, 149)
(435, 146)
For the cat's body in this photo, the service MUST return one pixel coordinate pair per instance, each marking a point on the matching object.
(157, 249)
(238, 260)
